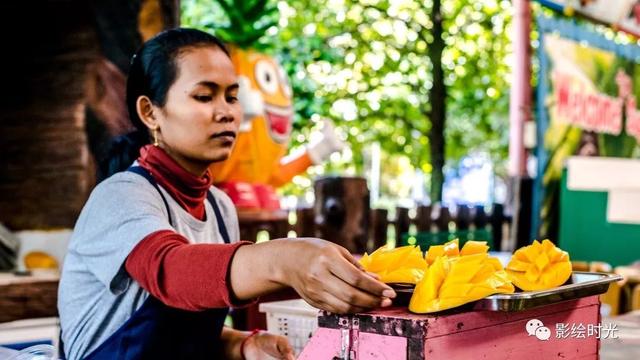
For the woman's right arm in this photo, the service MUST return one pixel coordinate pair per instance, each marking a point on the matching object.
(201, 276)
(324, 274)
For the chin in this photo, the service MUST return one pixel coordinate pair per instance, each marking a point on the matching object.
(221, 156)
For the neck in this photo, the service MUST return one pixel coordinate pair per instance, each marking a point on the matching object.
(185, 181)
(197, 168)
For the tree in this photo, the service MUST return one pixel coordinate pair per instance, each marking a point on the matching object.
(438, 97)
(370, 66)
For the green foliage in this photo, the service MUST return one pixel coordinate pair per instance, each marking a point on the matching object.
(240, 22)
(364, 65)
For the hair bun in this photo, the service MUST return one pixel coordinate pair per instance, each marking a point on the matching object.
(123, 151)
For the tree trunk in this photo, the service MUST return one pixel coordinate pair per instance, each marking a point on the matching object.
(437, 97)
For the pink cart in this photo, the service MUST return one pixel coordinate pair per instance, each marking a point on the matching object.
(563, 323)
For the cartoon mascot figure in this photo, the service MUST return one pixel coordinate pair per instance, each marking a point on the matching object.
(258, 164)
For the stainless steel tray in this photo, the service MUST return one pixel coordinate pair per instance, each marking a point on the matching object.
(582, 284)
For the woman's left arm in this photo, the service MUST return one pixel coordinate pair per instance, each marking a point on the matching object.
(240, 345)
(232, 341)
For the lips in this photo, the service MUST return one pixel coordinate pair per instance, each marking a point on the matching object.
(228, 134)
(226, 137)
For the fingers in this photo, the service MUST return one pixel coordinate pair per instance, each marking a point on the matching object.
(329, 302)
(352, 295)
(336, 305)
(347, 255)
(360, 279)
(276, 346)
(373, 275)
(285, 351)
(334, 281)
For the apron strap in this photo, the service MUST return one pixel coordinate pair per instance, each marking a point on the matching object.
(221, 226)
(145, 174)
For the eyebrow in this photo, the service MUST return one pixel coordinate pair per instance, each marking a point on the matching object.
(214, 85)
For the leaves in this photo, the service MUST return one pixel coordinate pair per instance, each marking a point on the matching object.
(364, 65)
(240, 22)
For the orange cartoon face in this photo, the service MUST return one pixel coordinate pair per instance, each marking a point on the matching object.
(264, 91)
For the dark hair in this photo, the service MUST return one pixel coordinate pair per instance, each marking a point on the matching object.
(152, 71)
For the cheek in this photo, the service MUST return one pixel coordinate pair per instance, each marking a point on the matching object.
(188, 122)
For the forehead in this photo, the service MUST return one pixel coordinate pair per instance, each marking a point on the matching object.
(205, 64)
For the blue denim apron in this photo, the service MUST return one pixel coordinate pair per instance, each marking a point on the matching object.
(157, 331)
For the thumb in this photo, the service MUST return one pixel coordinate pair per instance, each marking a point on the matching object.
(284, 348)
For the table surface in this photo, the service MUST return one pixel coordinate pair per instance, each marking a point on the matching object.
(627, 344)
(9, 278)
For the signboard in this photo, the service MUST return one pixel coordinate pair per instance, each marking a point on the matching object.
(588, 96)
(619, 14)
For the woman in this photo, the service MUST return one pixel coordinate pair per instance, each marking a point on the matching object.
(155, 261)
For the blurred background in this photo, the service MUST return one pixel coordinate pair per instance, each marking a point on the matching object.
(494, 120)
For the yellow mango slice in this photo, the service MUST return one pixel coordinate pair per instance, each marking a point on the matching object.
(539, 266)
(403, 275)
(474, 247)
(518, 265)
(541, 261)
(433, 253)
(451, 248)
(404, 264)
(365, 260)
(497, 265)
(451, 281)
(413, 259)
(485, 272)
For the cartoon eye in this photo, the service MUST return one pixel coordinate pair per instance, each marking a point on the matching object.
(266, 77)
(284, 80)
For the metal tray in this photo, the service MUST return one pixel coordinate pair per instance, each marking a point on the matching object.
(581, 284)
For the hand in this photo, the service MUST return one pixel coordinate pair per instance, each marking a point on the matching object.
(328, 277)
(265, 346)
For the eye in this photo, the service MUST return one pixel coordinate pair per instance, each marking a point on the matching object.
(202, 98)
(284, 80)
(266, 77)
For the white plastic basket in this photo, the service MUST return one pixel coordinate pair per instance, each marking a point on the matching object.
(294, 319)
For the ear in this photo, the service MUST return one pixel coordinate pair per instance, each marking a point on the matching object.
(145, 110)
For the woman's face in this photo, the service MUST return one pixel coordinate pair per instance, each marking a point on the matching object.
(199, 122)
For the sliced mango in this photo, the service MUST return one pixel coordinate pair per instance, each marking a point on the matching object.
(403, 275)
(539, 266)
(451, 248)
(457, 277)
(403, 264)
(474, 247)
(433, 253)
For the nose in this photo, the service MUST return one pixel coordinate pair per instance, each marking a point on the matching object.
(223, 113)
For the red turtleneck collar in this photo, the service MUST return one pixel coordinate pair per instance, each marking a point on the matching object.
(188, 190)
